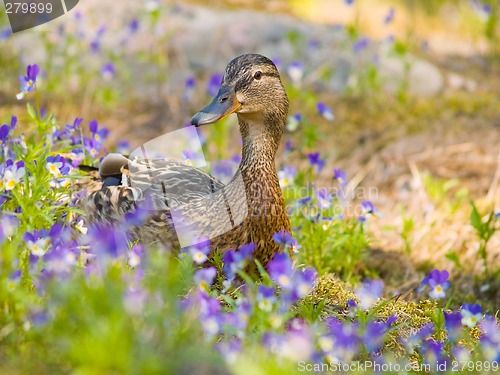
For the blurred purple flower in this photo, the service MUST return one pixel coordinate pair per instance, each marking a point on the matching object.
(108, 71)
(54, 164)
(283, 238)
(204, 277)
(200, 251)
(453, 324)
(373, 335)
(266, 297)
(303, 201)
(61, 260)
(280, 270)
(229, 349)
(236, 260)
(369, 293)
(345, 339)
(210, 318)
(433, 353)
(189, 86)
(315, 160)
(293, 122)
(214, 83)
(123, 147)
(13, 174)
(415, 339)
(471, 314)
(8, 225)
(286, 176)
(303, 282)
(37, 242)
(340, 176)
(325, 111)
(323, 198)
(490, 338)
(133, 26)
(296, 71)
(95, 44)
(277, 62)
(5, 33)
(4, 134)
(107, 241)
(360, 44)
(368, 208)
(134, 255)
(389, 17)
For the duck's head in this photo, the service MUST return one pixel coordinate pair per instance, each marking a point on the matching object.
(251, 87)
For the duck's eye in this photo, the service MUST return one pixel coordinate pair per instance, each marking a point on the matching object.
(257, 75)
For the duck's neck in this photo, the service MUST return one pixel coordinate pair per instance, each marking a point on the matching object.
(261, 135)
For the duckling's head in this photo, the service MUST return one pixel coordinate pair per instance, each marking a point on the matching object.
(252, 88)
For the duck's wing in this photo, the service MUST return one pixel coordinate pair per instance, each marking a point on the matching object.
(170, 180)
(162, 183)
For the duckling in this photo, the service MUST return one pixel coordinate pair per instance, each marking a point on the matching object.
(249, 209)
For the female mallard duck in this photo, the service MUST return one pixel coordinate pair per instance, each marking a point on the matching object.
(250, 208)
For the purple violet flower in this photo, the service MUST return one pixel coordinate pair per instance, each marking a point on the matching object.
(293, 122)
(280, 270)
(360, 44)
(389, 17)
(108, 71)
(283, 238)
(471, 314)
(323, 198)
(266, 297)
(286, 176)
(98, 135)
(438, 282)
(340, 176)
(296, 71)
(453, 324)
(200, 251)
(29, 80)
(369, 293)
(315, 160)
(236, 260)
(204, 277)
(325, 111)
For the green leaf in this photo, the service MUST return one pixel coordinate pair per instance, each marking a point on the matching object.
(475, 220)
(453, 256)
(31, 111)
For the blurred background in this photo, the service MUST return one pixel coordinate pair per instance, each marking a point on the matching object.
(403, 95)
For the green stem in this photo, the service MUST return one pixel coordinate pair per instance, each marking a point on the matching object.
(37, 108)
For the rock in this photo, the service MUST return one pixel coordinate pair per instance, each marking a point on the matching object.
(424, 78)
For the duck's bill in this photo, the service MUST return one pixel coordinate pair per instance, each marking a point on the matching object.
(222, 106)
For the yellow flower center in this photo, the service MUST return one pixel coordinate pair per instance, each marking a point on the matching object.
(283, 280)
